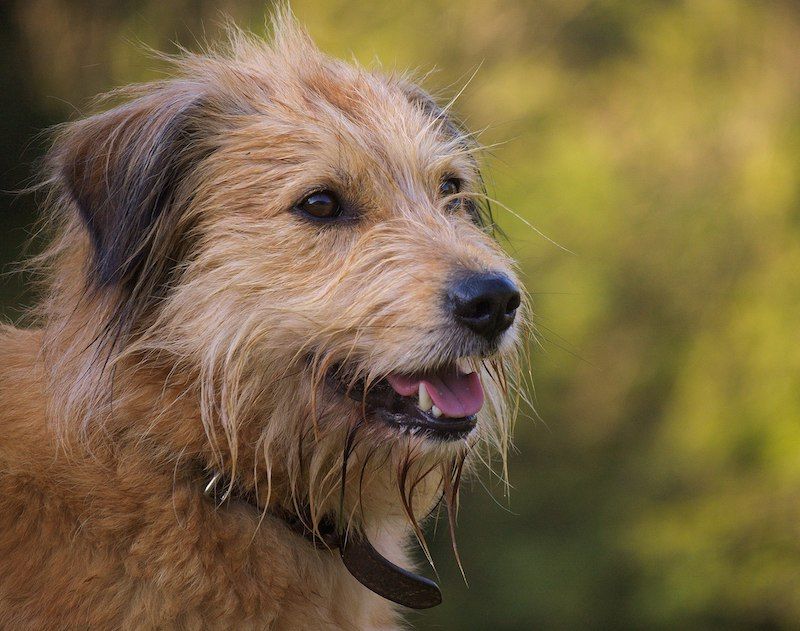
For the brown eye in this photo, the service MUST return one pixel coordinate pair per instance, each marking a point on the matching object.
(321, 205)
(450, 186)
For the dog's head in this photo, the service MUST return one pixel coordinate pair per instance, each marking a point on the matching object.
(310, 242)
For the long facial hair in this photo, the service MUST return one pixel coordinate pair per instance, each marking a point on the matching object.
(145, 336)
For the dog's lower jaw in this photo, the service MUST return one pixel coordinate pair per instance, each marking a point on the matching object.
(115, 535)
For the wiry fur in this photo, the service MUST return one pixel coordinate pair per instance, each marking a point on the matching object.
(190, 323)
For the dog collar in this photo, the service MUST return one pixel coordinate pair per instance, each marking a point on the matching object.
(368, 566)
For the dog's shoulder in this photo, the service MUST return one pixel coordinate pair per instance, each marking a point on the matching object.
(23, 432)
(19, 350)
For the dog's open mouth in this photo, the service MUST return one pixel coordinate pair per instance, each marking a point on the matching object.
(441, 404)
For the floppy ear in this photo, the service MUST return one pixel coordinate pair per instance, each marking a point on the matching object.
(125, 172)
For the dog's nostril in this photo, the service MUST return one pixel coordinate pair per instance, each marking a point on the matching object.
(513, 304)
(485, 303)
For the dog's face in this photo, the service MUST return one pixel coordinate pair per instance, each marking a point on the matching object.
(310, 240)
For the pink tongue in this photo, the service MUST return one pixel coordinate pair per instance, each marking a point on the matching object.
(454, 393)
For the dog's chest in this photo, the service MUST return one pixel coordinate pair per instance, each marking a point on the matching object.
(223, 568)
(179, 565)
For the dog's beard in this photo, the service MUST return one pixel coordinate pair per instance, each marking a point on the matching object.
(382, 465)
(376, 476)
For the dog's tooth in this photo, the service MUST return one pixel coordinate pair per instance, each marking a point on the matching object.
(425, 401)
(436, 411)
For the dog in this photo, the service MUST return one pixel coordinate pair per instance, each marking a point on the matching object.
(274, 325)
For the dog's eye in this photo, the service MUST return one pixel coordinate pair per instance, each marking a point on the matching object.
(321, 205)
(450, 186)
(448, 189)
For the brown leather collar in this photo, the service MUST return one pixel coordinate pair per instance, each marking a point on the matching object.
(368, 566)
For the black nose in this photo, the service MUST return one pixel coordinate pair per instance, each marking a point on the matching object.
(485, 303)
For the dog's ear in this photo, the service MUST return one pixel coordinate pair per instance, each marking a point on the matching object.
(125, 172)
(481, 212)
(421, 99)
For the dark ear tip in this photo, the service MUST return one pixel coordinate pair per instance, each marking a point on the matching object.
(72, 163)
(120, 171)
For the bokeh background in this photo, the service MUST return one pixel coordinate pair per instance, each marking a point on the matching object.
(658, 142)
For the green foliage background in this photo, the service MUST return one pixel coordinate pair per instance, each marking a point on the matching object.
(658, 142)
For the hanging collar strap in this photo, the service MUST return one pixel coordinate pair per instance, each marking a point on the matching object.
(368, 566)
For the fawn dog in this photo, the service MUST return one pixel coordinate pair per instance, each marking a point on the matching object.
(274, 325)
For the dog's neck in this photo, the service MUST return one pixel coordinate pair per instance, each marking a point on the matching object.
(175, 433)
(362, 560)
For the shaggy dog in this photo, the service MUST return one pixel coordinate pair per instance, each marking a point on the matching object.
(274, 326)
